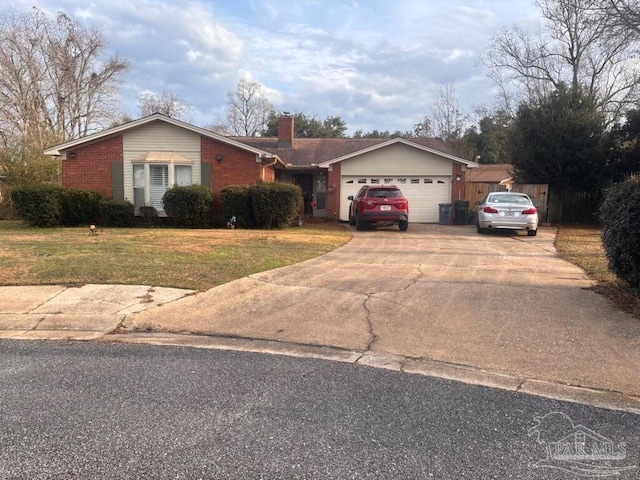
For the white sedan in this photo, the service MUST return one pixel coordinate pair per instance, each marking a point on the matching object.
(507, 210)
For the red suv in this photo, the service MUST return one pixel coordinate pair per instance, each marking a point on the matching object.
(379, 204)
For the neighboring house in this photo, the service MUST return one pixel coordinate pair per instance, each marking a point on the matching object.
(140, 160)
(496, 173)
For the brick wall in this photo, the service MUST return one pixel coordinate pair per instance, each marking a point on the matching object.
(333, 192)
(457, 186)
(91, 167)
(237, 167)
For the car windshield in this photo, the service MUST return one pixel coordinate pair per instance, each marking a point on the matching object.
(379, 193)
(518, 199)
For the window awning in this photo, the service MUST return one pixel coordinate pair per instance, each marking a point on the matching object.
(162, 157)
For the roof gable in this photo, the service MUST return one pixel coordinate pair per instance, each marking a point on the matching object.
(156, 117)
(415, 143)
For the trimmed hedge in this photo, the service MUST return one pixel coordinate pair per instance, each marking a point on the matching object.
(148, 216)
(80, 207)
(117, 213)
(236, 202)
(188, 206)
(265, 205)
(39, 205)
(620, 218)
(276, 204)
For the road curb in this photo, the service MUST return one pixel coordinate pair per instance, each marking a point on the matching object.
(433, 368)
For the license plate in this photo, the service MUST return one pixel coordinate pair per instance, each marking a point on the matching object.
(507, 214)
(385, 207)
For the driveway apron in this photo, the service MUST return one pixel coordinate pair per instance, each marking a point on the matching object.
(499, 302)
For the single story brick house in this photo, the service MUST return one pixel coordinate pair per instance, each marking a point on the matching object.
(138, 161)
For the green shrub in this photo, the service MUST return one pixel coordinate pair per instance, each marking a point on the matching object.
(276, 204)
(148, 216)
(80, 207)
(188, 206)
(620, 218)
(236, 202)
(117, 213)
(39, 205)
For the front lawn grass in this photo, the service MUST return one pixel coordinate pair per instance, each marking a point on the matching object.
(181, 258)
(582, 246)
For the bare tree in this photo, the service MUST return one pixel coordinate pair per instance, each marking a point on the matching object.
(580, 46)
(447, 121)
(166, 103)
(218, 127)
(54, 77)
(424, 128)
(248, 109)
(625, 12)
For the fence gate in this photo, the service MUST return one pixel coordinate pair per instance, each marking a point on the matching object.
(539, 193)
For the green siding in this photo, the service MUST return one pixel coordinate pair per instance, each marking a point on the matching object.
(117, 181)
(205, 175)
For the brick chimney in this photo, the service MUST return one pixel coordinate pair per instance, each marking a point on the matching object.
(285, 131)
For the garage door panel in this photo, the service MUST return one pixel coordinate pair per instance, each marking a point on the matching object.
(424, 193)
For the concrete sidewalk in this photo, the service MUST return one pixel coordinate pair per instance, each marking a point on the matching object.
(497, 310)
(80, 313)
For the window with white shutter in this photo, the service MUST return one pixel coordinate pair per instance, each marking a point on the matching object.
(154, 173)
(158, 184)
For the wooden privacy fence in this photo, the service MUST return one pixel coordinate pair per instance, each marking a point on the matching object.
(539, 193)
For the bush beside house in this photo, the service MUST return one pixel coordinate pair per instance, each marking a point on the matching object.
(236, 202)
(264, 205)
(276, 205)
(39, 205)
(148, 216)
(53, 206)
(80, 207)
(117, 213)
(620, 218)
(188, 206)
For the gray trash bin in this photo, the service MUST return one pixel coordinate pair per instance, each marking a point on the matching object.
(445, 213)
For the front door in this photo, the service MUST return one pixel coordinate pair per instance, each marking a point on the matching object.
(305, 182)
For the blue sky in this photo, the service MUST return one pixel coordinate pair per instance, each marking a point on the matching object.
(378, 64)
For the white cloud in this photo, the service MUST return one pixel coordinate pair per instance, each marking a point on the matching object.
(375, 63)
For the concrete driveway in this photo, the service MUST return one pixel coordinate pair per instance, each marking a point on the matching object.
(504, 304)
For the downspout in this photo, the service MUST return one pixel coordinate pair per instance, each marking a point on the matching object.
(267, 165)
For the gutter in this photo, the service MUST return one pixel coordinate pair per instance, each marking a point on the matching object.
(263, 157)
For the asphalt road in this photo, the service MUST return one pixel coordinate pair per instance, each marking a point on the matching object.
(107, 411)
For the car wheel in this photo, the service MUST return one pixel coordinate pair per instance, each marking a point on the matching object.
(532, 233)
(359, 223)
(480, 230)
(352, 220)
(403, 225)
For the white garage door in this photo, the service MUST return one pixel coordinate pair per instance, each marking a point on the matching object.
(424, 194)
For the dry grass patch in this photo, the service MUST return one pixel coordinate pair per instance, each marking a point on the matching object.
(582, 246)
(194, 259)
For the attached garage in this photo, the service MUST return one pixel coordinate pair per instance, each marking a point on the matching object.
(424, 175)
(424, 193)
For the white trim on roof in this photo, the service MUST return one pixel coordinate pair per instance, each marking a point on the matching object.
(404, 141)
(55, 150)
